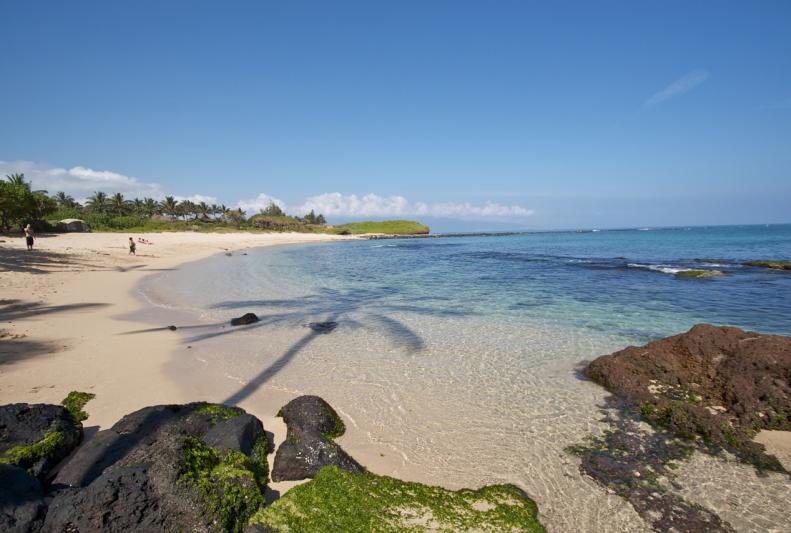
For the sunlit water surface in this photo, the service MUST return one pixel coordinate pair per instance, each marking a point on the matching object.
(455, 360)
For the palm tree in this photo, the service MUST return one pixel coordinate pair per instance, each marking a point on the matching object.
(150, 207)
(224, 210)
(202, 209)
(137, 207)
(64, 200)
(118, 205)
(170, 206)
(98, 202)
(187, 208)
(18, 179)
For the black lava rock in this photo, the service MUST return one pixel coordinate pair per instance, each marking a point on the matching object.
(245, 319)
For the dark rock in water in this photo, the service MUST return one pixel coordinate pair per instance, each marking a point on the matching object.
(239, 434)
(312, 424)
(37, 437)
(155, 470)
(229, 254)
(172, 328)
(21, 501)
(717, 383)
(323, 327)
(247, 318)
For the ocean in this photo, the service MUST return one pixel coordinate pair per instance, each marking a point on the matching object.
(457, 359)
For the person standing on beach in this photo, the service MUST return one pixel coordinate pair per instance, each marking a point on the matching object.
(29, 237)
(132, 246)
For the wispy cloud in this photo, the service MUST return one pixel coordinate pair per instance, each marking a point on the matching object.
(681, 86)
(373, 205)
(782, 104)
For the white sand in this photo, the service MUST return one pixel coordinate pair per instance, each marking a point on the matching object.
(63, 314)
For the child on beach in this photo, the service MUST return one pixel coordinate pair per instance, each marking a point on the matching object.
(29, 237)
(132, 246)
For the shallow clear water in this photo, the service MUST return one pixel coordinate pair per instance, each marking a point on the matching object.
(454, 359)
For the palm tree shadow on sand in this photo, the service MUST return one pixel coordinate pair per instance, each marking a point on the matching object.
(368, 309)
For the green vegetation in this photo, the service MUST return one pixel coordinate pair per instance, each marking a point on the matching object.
(337, 500)
(230, 485)
(775, 264)
(32, 453)
(694, 274)
(20, 205)
(388, 227)
(115, 213)
(74, 403)
(218, 412)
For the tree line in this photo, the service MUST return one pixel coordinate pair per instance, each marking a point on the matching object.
(19, 204)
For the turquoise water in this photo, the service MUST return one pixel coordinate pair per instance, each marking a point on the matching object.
(455, 360)
(620, 282)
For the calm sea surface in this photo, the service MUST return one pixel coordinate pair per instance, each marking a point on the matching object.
(456, 358)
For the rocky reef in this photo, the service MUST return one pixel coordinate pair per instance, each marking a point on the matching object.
(715, 385)
(774, 264)
(709, 389)
(203, 467)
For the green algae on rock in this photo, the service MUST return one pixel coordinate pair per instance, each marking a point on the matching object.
(337, 500)
(774, 264)
(74, 402)
(694, 274)
(218, 412)
(32, 453)
(230, 485)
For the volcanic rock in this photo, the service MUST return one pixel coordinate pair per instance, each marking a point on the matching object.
(312, 424)
(716, 384)
(245, 319)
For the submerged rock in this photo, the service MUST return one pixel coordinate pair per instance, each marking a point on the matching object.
(245, 319)
(694, 274)
(715, 384)
(774, 264)
(323, 327)
(309, 446)
(37, 437)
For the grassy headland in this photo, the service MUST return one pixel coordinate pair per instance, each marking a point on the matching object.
(388, 227)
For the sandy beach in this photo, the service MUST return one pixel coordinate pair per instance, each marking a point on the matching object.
(65, 308)
(72, 319)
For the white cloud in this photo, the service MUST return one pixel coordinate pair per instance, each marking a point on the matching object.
(197, 198)
(260, 202)
(79, 181)
(682, 85)
(373, 205)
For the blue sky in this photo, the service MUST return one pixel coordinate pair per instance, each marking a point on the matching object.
(473, 114)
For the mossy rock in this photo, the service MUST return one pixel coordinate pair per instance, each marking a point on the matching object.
(230, 484)
(74, 403)
(774, 264)
(696, 274)
(337, 500)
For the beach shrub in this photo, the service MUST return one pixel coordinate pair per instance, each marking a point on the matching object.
(337, 500)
